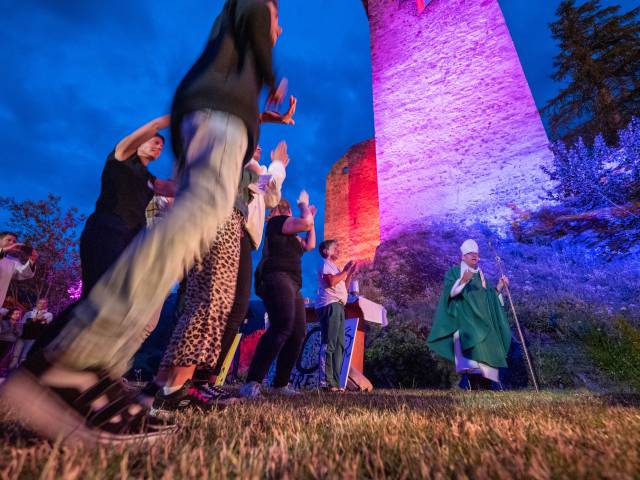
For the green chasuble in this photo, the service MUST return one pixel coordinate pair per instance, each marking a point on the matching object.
(485, 335)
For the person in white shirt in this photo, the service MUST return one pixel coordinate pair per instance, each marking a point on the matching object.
(332, 297)
(33, 324)
(10, 267)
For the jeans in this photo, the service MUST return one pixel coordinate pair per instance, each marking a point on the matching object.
(287, 329)
(20, 351)
(332, 345)
(106, 329)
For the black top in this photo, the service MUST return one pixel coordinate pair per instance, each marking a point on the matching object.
(127, 189)
(231, 71)
(32, 330)
(281, 252)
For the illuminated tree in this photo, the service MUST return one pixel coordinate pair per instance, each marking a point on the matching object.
(53, 232)
(599, 63)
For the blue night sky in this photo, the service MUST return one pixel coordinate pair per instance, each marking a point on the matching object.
(80, 75)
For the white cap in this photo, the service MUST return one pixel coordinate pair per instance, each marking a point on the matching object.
(469, 246)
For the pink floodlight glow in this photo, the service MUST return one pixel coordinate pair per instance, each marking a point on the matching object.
(458, 133)
(75, 290)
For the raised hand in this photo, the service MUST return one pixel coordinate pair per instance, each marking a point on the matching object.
(303, 198)
(287, 118)
(257, 153)
(280, 153)
(276, 97)
(16, 247)
(466, 278)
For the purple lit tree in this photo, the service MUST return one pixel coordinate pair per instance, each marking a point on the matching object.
(597, 194)
(54, 234)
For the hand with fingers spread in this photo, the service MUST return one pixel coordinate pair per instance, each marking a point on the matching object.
(280, 153)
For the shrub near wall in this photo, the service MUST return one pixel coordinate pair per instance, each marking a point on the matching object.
(398, 357)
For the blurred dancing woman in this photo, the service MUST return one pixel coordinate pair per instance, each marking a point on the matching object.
(73, 383)
(278, 282)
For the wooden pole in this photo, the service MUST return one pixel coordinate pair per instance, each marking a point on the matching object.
(515, 317)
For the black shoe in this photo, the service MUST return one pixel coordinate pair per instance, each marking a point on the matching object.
(475, 381)
(218, 394)
(187, 397)
(83, 407)
(478, 382)
(331, 389)
(487, 384)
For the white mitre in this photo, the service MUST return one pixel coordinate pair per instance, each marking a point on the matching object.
(469, 246)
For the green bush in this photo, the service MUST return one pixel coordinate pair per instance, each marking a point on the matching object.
(398, 356)
(616, 351)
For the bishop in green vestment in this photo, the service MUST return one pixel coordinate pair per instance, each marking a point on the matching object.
(470, 327)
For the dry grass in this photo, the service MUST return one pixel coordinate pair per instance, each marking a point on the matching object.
(395, 434)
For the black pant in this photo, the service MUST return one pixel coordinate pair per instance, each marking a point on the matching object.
(5, 348)
(287, 329)
(103, 240)
(240, 303)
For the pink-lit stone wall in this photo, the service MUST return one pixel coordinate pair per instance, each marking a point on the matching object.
(351, 203)
(457, 130)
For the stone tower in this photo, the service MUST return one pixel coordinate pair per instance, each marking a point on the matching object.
(351, 203)
(458, 134)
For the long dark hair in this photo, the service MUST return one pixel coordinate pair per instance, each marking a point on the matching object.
(12, 311)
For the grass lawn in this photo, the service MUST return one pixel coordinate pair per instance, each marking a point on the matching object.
(395, 434)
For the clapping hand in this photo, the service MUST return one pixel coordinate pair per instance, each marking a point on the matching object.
(350, 267)
(303, 198)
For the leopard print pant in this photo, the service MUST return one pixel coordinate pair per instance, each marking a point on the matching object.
(211, 288)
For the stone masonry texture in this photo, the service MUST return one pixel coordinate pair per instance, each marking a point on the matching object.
(458, 135)
(351, 203)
